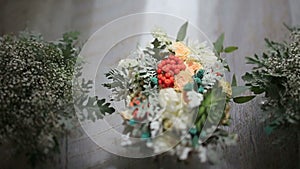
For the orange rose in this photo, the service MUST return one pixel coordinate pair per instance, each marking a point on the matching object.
(181, 50)
(193, 66)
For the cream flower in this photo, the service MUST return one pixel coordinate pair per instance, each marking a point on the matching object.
(194, 98)
(226, 87)
(181, 50)
(171, 101)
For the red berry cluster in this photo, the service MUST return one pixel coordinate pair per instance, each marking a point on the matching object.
(167, 69)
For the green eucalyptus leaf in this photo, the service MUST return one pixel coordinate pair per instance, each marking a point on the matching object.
(182, 32)
(218, 45)
(230, 49)
(234, 82)
(243, 99)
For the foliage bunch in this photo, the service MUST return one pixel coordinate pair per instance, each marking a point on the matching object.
(36, 106)
(277, 75)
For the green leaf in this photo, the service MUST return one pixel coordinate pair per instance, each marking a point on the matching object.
(257, 90)
(182, 32)
(251, 60)
(243, 99)
(70, 36)
(230, 49)
(219, 44)
(237, 90)
(265, 56)
(105, 107)
(156, 43)
(248, 77)
(255, 60)
(233, 83)
(200, 122)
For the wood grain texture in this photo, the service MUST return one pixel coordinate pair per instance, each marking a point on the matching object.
(245, 23)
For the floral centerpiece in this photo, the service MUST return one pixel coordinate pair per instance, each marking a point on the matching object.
(176, 87)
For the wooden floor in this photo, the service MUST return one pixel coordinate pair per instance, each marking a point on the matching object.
(245, 23)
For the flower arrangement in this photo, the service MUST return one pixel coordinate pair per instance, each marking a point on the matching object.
(277, 75)
(176, 87)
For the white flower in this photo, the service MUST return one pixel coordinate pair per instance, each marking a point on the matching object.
(126, 140)
(203, 53)
(183, 152)
(218, 67)
(161, 36)
(208, 60)
(202, 154)
(195, 98)
(209, 80)
(128, 63)
(154, 126)
(170, 100)
(181, 122)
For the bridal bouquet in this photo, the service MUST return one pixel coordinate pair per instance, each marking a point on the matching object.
(175, 94)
